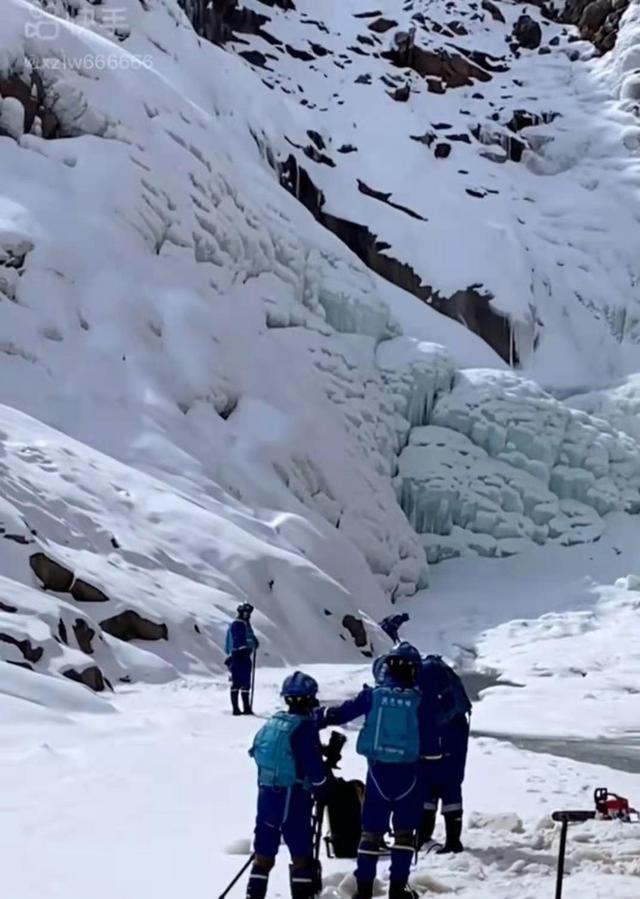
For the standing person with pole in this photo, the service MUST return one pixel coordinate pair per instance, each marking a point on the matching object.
(291, 774)
(241, 646)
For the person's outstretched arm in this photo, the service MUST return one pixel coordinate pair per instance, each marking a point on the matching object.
(349, 710)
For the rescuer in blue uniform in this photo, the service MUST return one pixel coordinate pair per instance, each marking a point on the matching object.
(445, 714)
(240, 646)
(291, 773)
(391, 625)
(390, 741)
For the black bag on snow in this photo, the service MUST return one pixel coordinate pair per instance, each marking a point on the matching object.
(344, 808)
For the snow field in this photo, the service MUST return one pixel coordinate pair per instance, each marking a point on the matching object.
(165, 790)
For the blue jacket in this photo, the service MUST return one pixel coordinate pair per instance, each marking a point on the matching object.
(240, 637)
(392, 624)
(350, 709)
(439, 738)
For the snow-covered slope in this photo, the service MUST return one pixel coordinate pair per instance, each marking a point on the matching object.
(207, 397)
(485, 151)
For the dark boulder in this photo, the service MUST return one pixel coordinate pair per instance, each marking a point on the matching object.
(53, 576)
(402, 94)
(84, 592)
(129, 626)
(84, 635)
(356, 628)
(597, 20)
(527, 32)
(381, 25)
(493, 10)
(29, 652)
(91, 677)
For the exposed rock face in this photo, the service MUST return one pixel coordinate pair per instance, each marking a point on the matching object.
(467, 305)
(381, 25)
(451, 69)
(84, 635)
(91, 677)
(217, 20)
(54, 577)
(84, 592)
(527, 32)
(129, 626)
(493, 10)
(30, 653)
(358, 631)
(598, 20)
(58, 579)
(30, 94)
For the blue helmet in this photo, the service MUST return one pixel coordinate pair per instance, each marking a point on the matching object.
(403, 662)
(406, 652)
(299, 684)
(244, 610)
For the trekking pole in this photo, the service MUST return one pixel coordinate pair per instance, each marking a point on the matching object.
(253, 676)
(317, 835)
(317, 840)
(238, 876)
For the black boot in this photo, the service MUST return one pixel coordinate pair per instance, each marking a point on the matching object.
(401, 890)
(427, 826)
(453, 826)
(364, 889)
(234, 702)
(304, 881)
(258, 882)
(246, 703)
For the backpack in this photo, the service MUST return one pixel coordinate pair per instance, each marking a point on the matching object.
(452, 696)
(344, 807)
(391, 732)
(272, 751)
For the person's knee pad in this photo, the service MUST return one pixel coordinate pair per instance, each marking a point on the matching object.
(264, 862)
(370, 843)
(404, 840)
(301, 862)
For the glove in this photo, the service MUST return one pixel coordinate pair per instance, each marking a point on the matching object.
(228, 661)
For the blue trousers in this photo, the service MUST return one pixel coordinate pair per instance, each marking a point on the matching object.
(284, 813)
(240, 670)
(392, 798)
(441, 781)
